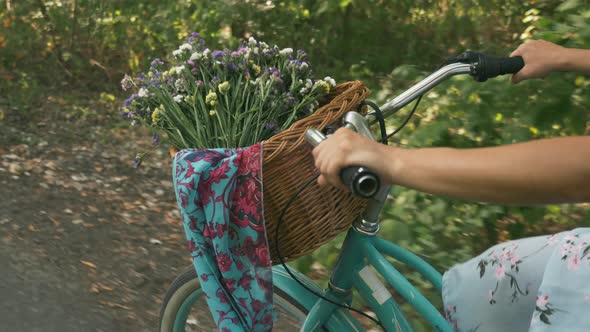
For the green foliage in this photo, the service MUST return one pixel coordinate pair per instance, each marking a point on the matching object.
(88, 45)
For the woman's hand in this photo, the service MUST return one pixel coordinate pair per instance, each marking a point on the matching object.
(540, 59)
(347, 148)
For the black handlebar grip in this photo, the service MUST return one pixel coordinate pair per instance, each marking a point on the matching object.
(361, 181)
(489, 66)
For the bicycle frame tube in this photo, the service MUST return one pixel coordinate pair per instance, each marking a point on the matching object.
(351, 272)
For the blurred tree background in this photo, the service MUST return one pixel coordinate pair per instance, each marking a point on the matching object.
(80, 49)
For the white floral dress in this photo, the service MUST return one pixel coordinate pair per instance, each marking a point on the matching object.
(538, 284)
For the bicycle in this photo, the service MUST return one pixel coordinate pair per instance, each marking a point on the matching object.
(294, 299)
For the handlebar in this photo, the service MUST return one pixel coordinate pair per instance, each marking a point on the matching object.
(365, 183)
(476, 64)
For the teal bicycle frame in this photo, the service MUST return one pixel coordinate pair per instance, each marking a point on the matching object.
(352, 271)
(362, 249)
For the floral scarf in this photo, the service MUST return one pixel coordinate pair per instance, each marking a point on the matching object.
(219, 193)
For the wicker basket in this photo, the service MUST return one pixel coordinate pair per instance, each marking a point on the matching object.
(319, 213)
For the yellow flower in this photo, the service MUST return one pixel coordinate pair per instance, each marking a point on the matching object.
(156, 114)
(1, 115)
(212, 112)
(211, 98)
(223, 87)
(256, 69)
(325, 86)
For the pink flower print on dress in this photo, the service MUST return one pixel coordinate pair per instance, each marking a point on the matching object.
(500, 271)
(542, 300)
(573, 262)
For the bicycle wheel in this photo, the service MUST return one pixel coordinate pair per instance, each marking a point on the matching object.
(185, 308)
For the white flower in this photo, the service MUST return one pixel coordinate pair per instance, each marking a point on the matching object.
(330, 80)
(178, 98)
(179, 69)
(178, 84)
(251, 41)
(196, 56)
(185, 47)
(263, 45)
(206, 52)
(176, 53)
(304, 65)
(286, 51)
(143, 92)
(308, 83)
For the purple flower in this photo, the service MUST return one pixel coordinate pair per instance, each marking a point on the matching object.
(274, 74)
(190, 62)
(193, 36)
(301, 55)
(270, 126)
(289, 101)
(137, 162)
(156, 62)
(129, 100)
(126, 82)
(216, 54)
(156, 139)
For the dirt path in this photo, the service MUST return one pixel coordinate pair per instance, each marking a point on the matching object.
(87, 243)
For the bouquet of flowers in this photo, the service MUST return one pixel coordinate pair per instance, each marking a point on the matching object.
(224, 98)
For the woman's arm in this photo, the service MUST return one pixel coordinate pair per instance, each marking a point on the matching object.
(541, 58)
(546, 171)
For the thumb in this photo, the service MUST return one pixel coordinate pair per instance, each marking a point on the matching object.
(521, 75)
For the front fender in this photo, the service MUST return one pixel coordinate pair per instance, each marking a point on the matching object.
(340, 321)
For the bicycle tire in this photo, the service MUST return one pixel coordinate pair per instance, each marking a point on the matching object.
(178, 296)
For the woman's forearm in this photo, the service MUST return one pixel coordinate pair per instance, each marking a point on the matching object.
(545, 171)
(576, 60)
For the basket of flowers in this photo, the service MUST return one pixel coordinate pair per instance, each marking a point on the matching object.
(203, 99)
